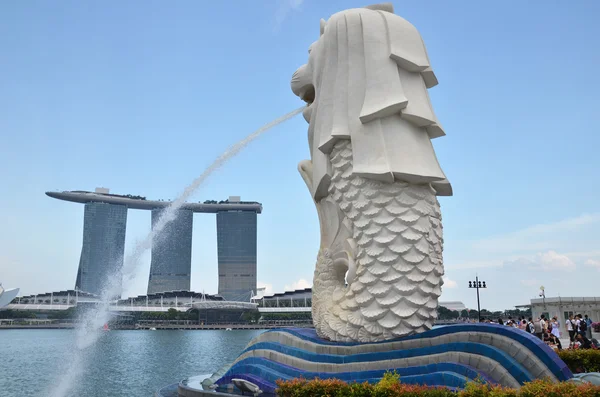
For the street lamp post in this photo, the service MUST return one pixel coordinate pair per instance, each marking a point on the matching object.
(477, 284)
(543, 295)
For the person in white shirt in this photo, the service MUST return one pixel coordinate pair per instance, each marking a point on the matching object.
(571, 329)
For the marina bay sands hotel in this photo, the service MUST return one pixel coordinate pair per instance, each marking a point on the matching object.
(105, 221)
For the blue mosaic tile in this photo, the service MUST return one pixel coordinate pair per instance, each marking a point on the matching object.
(266, 379)
(446, 374)
(536, 346)
(511, 365)
(286, 370)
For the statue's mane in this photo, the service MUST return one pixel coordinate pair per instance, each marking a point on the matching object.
(388, 7)
(352, 60)
(368, 65)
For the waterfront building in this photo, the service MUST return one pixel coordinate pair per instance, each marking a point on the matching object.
(55, 300)
(171, 258)
(103, 246)
(456, 306)
(236, 248)
(302, 298)
(7, 295)
(104, 237)
(563, 307)
(168, 299)
(158, 302)
(296, 298)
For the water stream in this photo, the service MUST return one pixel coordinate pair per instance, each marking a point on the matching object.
(89, 328)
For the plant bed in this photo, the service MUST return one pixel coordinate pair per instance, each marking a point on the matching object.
(580, 360)
(391, 386)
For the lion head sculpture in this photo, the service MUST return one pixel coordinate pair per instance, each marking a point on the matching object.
(366, 80)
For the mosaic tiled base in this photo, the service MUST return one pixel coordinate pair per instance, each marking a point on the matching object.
(448, 356)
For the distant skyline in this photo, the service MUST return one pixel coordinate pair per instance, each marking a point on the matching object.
(141, 96)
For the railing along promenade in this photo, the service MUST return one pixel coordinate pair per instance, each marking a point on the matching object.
(167, 325)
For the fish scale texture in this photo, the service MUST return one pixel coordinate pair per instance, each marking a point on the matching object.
(397, 231)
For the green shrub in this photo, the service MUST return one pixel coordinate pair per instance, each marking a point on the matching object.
(540, 388)
(391, 386)
(479, 389)
(317, 387)
(581, 360)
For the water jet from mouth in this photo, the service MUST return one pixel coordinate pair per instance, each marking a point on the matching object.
(89, 327)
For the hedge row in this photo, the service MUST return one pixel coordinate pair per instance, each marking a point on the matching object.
(581, 360)
(391, 386)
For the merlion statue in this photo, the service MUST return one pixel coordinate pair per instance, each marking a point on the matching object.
(374, 177)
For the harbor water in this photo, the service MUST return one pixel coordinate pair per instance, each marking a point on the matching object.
(125, 363)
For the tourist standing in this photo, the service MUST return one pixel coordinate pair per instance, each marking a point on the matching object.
(529, 327)
(544, 323)
(588, 322)
(581, 325)
(555, 327)
(538, 329)
(571, 328)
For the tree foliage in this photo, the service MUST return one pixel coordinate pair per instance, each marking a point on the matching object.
(16, 314)
(287, 316)
(446, 314)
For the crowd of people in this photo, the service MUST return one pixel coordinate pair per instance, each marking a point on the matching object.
(548, 330)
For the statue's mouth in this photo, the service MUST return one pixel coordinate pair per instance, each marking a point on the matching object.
(308, 95)
(302, 86)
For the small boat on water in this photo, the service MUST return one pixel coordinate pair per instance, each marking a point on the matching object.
(227, 329)
(152, 329)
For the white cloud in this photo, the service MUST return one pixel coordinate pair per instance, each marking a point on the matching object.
(268, 287)
(547, 261)
(506, 249)
(285, 8)
(449, 283)
(520, 261)
(583, 254)
(530, 283)
(300, 284)
(593, 263)
(554, 261)
(474, 264)
(534, 238)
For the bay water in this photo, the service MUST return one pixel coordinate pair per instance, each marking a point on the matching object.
(124, 363)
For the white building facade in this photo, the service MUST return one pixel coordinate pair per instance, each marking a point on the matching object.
(564, 307)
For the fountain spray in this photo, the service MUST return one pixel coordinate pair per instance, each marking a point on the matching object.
(89, 327)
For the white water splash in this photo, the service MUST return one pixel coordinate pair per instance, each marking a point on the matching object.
(89, 327)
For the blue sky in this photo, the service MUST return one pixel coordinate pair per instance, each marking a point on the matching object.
(141, 96)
